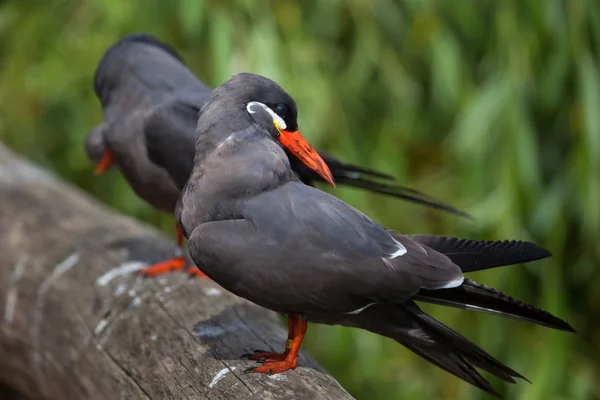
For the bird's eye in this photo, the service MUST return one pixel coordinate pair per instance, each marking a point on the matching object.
(281, 110)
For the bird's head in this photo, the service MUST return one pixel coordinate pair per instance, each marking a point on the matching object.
(258, 100)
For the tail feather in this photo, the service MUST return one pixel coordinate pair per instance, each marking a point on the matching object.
(435, 342)
(456, 365)
(458, 354)
(473, 296)
(477, 255)
(469, 350)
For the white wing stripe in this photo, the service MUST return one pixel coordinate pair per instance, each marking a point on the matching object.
(401, 250)
(453, 283)
(360, 309)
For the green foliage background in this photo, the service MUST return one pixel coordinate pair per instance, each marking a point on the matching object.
(492, 106)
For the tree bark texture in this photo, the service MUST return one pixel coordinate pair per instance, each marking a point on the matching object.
(77, 322)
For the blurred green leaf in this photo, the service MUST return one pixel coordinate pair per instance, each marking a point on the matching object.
(475, 124)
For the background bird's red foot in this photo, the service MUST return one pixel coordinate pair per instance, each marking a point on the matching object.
(275, 366)
(266, 356)
(174, 264)
(194, 272)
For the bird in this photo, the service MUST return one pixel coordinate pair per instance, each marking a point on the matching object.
(150, 101)
(257, 230)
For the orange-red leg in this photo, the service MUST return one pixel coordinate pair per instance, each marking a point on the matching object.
(164, 267)
(105, 162)
(176, 263)
(287, 360)
(263, 356)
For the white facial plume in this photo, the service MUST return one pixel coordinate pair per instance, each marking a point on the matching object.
(251, 108)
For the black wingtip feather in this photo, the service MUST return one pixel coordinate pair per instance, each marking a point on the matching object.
(460, 355)
(476, 255)
(435, 342)
(457, 366)
(351, 171)
(477, 297)
(368, 179)
(399, 192)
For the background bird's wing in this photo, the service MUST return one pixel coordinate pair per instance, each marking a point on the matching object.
(141, 61)
(144, 85)
(368, 179)
(170, 131)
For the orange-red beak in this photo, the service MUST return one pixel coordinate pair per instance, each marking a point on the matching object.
(105, 162)
(299, 147)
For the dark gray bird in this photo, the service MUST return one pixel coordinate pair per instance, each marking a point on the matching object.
(151, 101)
(258, 231)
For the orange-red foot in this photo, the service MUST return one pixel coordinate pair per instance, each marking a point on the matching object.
(276, 363)
(266, 356)
(174, 264)
(275, 366)
(194, 272)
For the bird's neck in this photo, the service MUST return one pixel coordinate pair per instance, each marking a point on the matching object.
(238, 168)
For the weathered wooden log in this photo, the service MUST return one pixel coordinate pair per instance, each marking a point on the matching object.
(78, 323)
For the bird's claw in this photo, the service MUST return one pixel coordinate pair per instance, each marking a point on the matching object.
(194, 272)
(272, 367)
(265, 356)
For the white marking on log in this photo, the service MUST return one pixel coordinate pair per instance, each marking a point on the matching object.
(162, 281)
(209, 331)
(212, 292)
(101, 326)
(11, 297)
(59, 270)
(277, 377)
(167, 289)
(22, 172)
(216, 330)
(123, 269)
(220, 375)
(122, 288)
